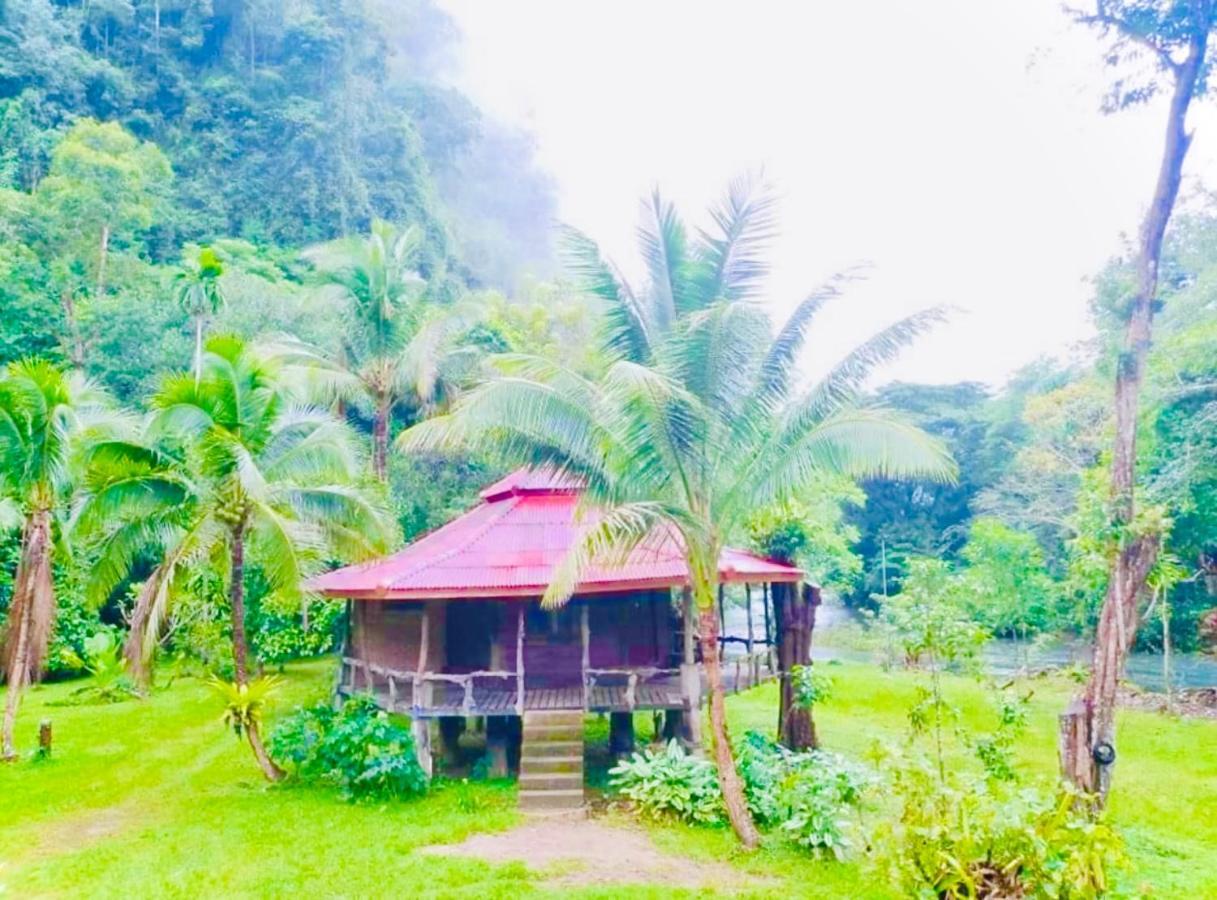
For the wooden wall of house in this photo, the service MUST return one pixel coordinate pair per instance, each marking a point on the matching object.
(632, 630)
(388, 633)
(626, 630)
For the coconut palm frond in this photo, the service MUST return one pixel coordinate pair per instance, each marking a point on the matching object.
(857, 443)
(627, 322)
(844, 381)
(732, 255)
(617, 532)
(664, 244)
(776, 371)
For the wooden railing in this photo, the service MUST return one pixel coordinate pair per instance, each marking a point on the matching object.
(428, 691)
(633, 677)
(749, 670)
(501, 692)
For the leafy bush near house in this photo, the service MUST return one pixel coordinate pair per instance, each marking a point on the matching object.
(282, 636)
(808, 796)
(359, 748)
(671, 782)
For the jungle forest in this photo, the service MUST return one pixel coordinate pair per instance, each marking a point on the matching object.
(368, 529)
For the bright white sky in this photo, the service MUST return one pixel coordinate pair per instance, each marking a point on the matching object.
(957, 145)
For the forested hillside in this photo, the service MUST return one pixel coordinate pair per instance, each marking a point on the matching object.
(277, 124)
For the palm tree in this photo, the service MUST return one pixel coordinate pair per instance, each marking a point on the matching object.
(697, 419)
(44, 411)
(230, 469)
(398, 339)
(199, 293)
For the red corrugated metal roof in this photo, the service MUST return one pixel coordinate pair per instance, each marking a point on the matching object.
(510, 544)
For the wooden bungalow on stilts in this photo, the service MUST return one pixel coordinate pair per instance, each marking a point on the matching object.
(451, 628)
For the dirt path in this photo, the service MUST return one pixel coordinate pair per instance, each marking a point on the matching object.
(579, 852)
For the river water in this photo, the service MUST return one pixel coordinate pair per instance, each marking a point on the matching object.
(1002, 656)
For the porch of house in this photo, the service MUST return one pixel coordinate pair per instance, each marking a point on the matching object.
(600, 654)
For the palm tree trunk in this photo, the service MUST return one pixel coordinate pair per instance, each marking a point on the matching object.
(728, 778)
(103, 253)
(76, 344)
(236, 595)
(198, 349)
(133, 649)
(29, 622)
(380, 439)
(269, 769)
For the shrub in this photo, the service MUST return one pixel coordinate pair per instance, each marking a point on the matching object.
(968, 838)
(671, 782)
(359, 748)
(281, 636)
(807, 796)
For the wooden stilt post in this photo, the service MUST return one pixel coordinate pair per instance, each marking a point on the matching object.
(754, 671)
(748, 596)
(420, 726)
(768, 622)
(585, 660)
(520, 660)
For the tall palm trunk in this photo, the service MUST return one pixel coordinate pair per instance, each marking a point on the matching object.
(198, 349)
(236, 594)
(29, 619)
(236, 597)
(137, 660)
(728, 778)
(380, 437)
(1087, 735)
(102, 255)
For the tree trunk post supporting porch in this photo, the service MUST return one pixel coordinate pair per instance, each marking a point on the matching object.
(585, 657)
(621, 734)
(450, 730)
(420, 727)
(520, 660)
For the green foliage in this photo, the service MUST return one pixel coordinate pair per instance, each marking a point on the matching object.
(811, 685)
(912, 517)
(807, 796)
(962, 830)
(963, 839)
(811, 532)
(429, 489)
(1005, 585)
(278, 637)
(929, 620)
(107, 670)
(670, 782)
(245, 704)
(359, 748)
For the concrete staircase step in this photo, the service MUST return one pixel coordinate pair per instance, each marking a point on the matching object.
(546, 765)
(552, 733)
(557, 799)
(554, 715)
(539, 749)
(542, 781)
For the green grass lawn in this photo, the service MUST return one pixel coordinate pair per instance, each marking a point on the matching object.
(153, 798)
